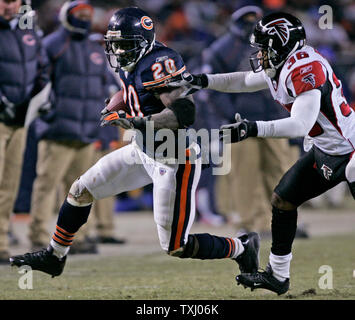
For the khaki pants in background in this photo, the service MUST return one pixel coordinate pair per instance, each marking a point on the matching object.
(256, 168)
(12, 145)
(58, 163)
(102, 212)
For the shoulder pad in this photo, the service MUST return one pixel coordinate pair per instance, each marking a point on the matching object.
(159, 66)
(306, 77)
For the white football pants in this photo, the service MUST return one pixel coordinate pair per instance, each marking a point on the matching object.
(174, 187)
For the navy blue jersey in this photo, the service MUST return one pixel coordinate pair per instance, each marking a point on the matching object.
(143, 85)
(140, 86)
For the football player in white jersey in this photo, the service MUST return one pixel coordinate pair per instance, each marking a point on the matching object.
(303, 82)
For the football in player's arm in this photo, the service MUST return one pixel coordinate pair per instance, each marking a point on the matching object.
(144, 66)
(179, 113)
(303, 82)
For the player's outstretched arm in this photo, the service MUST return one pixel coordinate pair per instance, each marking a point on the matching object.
(232, 82)
(304, 113)
(303, 116)
(247, 81)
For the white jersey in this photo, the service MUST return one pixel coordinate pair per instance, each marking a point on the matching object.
(306, 69)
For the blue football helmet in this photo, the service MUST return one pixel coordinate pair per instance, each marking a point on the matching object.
(130, 35)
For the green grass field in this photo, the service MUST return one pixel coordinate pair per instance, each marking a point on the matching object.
(156, 276)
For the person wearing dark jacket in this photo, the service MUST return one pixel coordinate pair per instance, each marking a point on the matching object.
(23, 74)
(80, 77)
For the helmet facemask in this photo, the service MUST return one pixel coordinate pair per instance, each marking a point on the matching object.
(263, 59)
(267, 58)
(124, 52)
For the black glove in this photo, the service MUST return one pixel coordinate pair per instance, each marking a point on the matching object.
(240, 130)
(193, 82)
(122, 119)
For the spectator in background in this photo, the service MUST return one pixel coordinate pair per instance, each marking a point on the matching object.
(331, 38)
(257, 164)
(23, 73)
(207, 209)
(80, 80)
(180, 32)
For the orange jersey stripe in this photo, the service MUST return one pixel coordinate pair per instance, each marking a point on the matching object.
(183, 197)
(164, 78)
(233, 246)
(59, 234)
(55, 238)
(65, 232)
(230, 248)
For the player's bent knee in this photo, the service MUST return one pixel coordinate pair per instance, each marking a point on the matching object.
(78, 195)
(279, 203)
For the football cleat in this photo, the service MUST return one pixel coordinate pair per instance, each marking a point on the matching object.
(263, 280)
(248, 261)
(42, 260)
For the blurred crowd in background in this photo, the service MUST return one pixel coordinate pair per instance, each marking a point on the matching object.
(191, 26)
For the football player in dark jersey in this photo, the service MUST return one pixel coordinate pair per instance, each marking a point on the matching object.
(144, 66)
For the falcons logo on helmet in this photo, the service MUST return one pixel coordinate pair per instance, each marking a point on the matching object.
(280, 28)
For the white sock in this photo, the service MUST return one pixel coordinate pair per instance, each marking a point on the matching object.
(59, 250)
(280, 266)
(239, 248)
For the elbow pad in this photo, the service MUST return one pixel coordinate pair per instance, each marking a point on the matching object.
(184, 110)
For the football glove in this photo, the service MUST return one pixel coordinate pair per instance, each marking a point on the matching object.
(104, 110)
(123, 120)
(192, 82)
(240, 130)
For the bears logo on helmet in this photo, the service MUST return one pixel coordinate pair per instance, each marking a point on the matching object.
(147, 23)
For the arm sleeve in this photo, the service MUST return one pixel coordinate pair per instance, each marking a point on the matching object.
(304, 114)
(237, 82)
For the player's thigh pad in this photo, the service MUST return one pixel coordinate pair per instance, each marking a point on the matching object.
(305, 179)
(116, 172)
(350, 174)
(350, 170)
